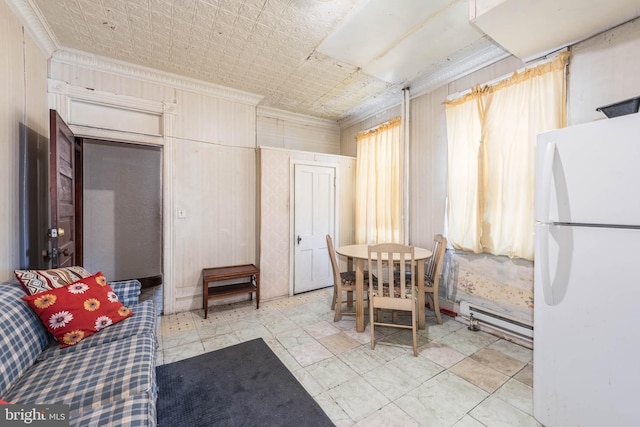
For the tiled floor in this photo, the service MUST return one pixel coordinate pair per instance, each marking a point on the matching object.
(460, 378)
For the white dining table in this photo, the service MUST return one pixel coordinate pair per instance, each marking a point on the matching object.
(360, 254)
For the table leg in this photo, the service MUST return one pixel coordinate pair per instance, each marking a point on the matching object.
(359, 295)
(421, 314)
(205, 297)
(349, 294)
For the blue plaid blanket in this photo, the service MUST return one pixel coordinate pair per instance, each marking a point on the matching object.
(106, 379)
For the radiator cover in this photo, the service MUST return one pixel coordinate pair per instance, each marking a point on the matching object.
(496, 320)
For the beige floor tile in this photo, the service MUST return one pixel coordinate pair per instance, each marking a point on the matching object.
(245, 322)
(310, 353)
(321, 329)
(467, 342)
(362, 359)
(517, 394)
(499, 361)
(389, 416)
(391, 381)
(357, 398)
(277, 324)
(433, 331)
(179, 339)
(331, 372)
(249, 334)
(525, 375)
(182, 352)
(339, 343)
(442, 400)
(496, 412)
(294, 337)
(480, 375)
(441, 354)
(220, 341)
(361, 337)
(356, 385)
(174, 323)
(313, 387)
(404, 338)
(469, 421)
(514, 350)
(212, 329)
(330, 407)
(419, 368)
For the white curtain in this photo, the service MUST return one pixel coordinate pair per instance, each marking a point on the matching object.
(491, 177)
(378, 185)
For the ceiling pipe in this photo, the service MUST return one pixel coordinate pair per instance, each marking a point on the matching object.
(406, 118)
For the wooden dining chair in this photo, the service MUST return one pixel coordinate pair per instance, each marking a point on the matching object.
(342, 282)
(432, 272)
(393, 265)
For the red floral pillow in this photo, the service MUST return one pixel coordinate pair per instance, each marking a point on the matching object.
(76, 311)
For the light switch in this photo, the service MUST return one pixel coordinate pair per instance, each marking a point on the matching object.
(182, 213)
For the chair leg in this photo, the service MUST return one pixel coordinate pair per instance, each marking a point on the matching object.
(433, 302)
(338, 312)
(414, 326)
(335, 295)
(371, 321)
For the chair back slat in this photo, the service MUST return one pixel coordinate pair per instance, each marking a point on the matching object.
(434, 263)
(394, 267)
(388, 261)
(334, 262)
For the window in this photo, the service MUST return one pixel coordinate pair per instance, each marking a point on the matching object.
(378, 184)
(491, 158)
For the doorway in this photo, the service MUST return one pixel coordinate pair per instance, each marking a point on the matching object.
(122, 197)
(314, 218)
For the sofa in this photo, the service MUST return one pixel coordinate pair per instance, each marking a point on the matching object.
(107, 379)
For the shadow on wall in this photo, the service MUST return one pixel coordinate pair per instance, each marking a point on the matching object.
(33, 198)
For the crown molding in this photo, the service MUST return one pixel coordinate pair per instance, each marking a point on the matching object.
(33, 20)
(302, 119)
(112, 66)
(482, 58)
(479, 59)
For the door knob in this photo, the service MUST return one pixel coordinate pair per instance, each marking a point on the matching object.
(299, 238)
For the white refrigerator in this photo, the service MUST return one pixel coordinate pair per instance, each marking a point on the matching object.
(586, 349)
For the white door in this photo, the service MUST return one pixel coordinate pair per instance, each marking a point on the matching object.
(314, 213)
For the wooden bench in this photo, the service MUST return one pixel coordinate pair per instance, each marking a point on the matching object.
(216, 274)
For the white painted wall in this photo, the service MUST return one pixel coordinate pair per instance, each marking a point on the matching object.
(603, 70)
(122, 201)
(23, 84)
(280, 129)
(213, 166)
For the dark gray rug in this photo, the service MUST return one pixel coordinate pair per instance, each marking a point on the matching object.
(242, 385)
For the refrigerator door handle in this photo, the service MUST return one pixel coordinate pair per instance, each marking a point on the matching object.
(542, 259)
(547, 173)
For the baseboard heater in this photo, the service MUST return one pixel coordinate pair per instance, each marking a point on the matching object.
(496, 320)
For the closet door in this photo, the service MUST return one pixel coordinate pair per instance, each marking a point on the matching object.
(62, 182)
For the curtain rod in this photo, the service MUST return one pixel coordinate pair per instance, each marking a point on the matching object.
(547, 58)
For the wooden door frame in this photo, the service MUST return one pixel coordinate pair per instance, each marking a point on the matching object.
(67, 99)
(292, 225)
(79, 207)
